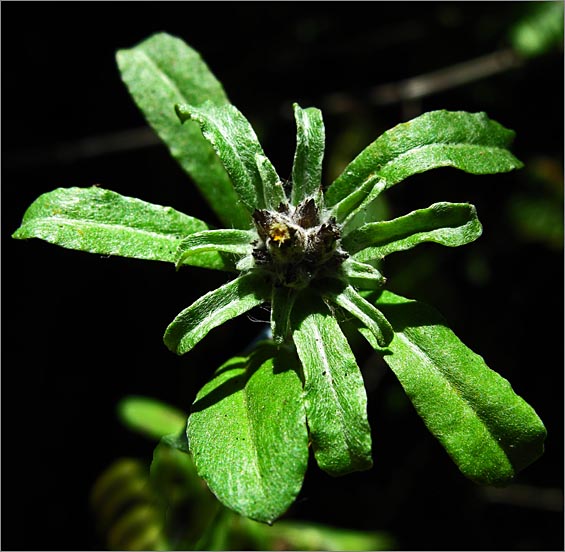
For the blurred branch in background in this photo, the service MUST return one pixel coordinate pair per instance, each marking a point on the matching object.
(526, 496)
(537, 33)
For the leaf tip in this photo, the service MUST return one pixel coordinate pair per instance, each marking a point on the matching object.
(182, 112)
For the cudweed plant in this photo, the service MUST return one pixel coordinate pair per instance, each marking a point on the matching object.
(312, 255)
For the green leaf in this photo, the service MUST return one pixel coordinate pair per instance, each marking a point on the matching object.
(213, 309)
(235, 143)
(468, 141)
(247, 433)
(310, 142)
(297, 535)
(540, 30)
(282, 301)
(107, 223)
(163, 71)
(450, 224)
(489, 431)
(361, 275)
(370, 316)
(237, 242)
(150, 417)
(351, 204)
(272, 185)
(335, 398)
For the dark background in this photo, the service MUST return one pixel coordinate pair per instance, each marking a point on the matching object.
(81, 331)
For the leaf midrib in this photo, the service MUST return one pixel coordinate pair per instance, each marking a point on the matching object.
(326, 365)
(94, 224)
(438, 145)
(418, 351)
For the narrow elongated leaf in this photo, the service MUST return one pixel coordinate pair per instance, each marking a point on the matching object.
(350, 204)
(310, 143)
(163, 71)
(450, 224)
(237, 242)
(371, 317)
(235, 143)
(282, 301)
(107, 223)
(361, 275)
(213, 309)
(468, 141)
(335, 398)
(272, 185)
(248, 436)
(490, 432)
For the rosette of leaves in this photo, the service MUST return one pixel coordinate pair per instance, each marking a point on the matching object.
(311, 255)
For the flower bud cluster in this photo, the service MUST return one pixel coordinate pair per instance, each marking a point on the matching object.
(295, 245)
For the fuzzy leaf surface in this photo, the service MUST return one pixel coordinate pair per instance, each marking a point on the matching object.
(371, 317)
(213, 309)
(468, 141)
(248, 436)
(235, 143)
(227, 241)
(335, 398)
(488, 430)
(104, 222)
(310, 144)
(272, 185)
(450, 224)
(362, 275)
(163, 71)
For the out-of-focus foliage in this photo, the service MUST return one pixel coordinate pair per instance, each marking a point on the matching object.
(166, 506)
(540, 30)
(536, 214)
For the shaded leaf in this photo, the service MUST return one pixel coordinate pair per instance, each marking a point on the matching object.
(282, 301)
(490, 432)
(335, 399)
(310, 143)
(163, 71)
(237, 242)
(107, 223)
(371, 317)
(213, 309)
(247, 433)
(468, 141)
(362, 275)
(450, 224)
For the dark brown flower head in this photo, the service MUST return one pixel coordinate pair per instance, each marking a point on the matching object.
(294, 245)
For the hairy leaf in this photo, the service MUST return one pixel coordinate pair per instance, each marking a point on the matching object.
(247, 433)
(361, 275)
(490, 432)
(235, 143)
(213, 309)
(237, 242)
(450, 224)
(104, 222)
(335, 399)
(282, 301)
(272, 185)
(310, 143)
(371, 317)
(163, 71)
(468, 141)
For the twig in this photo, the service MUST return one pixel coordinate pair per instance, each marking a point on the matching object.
(446, 78)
